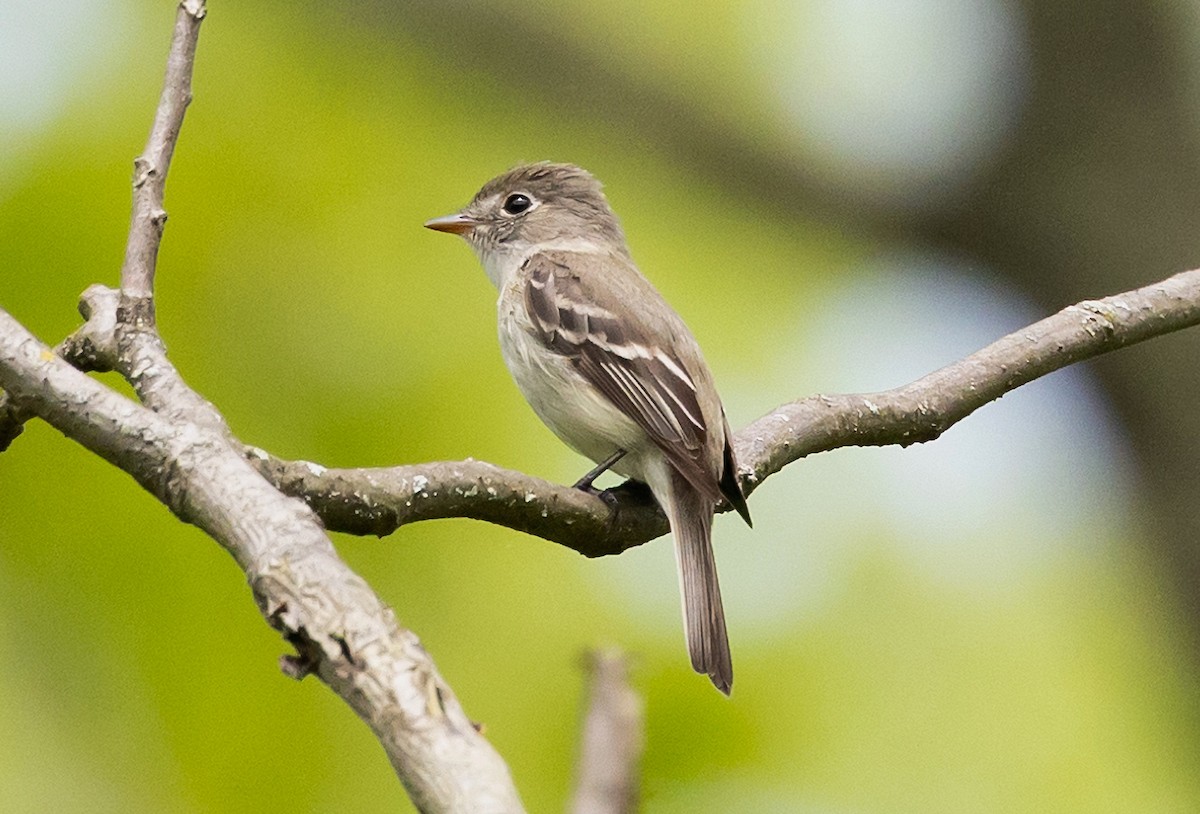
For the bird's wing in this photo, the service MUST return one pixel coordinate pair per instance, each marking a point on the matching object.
(634, 359)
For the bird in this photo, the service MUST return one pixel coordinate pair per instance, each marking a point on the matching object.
(610, 367)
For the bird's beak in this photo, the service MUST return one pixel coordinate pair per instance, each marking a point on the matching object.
(456, 224)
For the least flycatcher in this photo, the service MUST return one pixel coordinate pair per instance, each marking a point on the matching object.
(609, 366)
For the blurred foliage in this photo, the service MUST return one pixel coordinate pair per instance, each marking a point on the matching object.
(299, 293)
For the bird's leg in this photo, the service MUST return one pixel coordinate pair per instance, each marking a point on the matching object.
(632, 491)
(585, 483)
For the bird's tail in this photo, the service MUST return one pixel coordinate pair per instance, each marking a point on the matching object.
(691, 515)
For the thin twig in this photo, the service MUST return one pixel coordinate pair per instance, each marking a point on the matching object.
(141, 354)
(150, 168)
(923, 410)
(378, 501)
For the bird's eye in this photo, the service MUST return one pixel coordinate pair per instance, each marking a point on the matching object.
(517, 203)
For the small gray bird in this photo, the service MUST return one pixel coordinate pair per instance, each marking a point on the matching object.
(609, 366)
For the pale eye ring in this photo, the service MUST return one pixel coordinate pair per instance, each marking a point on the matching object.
(517, 203)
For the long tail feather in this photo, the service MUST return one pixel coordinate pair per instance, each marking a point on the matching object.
(691, 517)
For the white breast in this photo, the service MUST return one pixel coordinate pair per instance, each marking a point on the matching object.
(567, 403)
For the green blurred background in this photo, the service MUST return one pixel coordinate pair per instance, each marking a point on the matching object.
(838, 196)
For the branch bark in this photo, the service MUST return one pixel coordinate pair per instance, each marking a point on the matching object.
(378, 501)
(177, 446)
(613, 739)
(341, 630)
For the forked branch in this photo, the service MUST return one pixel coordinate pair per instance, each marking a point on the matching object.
(177, 447)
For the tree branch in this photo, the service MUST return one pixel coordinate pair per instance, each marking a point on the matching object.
(178, 447)
(923, 410)
(91, 348)
(611, 750)
(141, 355)
(342, 631)
(150, 168)
(378, 501)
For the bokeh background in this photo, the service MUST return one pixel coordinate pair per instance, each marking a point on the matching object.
(838, 195)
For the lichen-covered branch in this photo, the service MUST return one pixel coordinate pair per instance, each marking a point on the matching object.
(377, 501)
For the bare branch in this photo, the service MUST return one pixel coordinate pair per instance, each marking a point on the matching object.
(178, 448)
(341, 629)
(923, 410)
(141, 355)
(150, 168)
(91, 348)
(377, 501)
(613, 739)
